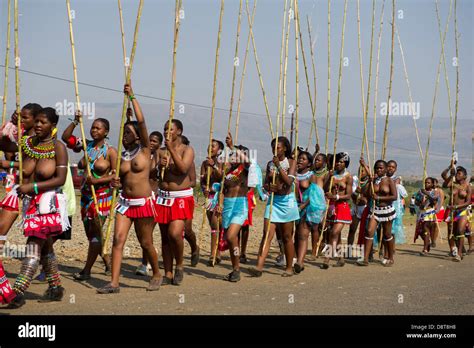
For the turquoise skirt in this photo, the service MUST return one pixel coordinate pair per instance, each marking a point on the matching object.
(285, 208)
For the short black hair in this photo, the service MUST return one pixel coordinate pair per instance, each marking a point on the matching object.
(185, 140)
(323, 156)
(158, 135)
(342, 155)
(307, 154)
(50, 114)
(380, 161)
(219, 143)
(134, 125)
(462, 170)
(393, 161)
(33, 108)
(105, 122)
(286, 143)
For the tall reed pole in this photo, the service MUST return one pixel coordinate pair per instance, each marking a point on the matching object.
(328, 109)
(122, 125)
(7, 62)
(262, 87)
(78, 106)
(17, 95)
(244, 69)
(385, 132)
(338, 102)
(377, 80)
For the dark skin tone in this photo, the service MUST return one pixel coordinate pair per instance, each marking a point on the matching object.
(178, 160)
(282, 186)
(104, 168)
(391, 169)
(461, 199)
(237, 188)
(384, 193)
(319, 164)
(303, 228)
(8, 217)
(341, 191)
(428, 202)
(134, 181)
(155, 144)
(359, 200)
(48, 174)
(216, 170)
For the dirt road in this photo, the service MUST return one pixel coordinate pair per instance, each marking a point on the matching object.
(415, 285)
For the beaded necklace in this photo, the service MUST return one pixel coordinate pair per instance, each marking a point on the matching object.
(128, 155)
(306, 176)
(340, 176)
(379, 180)
(285, 166)
(321, 172)
(37, 151)
(95, 153)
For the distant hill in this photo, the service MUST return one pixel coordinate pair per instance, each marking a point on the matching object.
(254, 133)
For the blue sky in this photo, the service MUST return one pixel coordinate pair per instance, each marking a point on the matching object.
(44, 48)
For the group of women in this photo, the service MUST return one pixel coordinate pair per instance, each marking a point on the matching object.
(307, 194)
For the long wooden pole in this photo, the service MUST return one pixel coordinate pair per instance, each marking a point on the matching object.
(365, 105)
(282, 58)
(385, 132)
(287, 35)
(312, 104)
(297, 67)
(409, 94)
(7, 62)
(17, 94)
(377, 79)
(122, 32)
(311, 45)
(338, 102)
(122, 125)
(328, 109)
(433, 106)
(234, 69)
(173, 73)
(272, 196)
(262, 87)
(78, 106)
(456, 103)
(446, 79)
(213, 109)
(242, 77)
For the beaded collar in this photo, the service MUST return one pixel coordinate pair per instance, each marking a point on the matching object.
(305, 176)
(321, 172)
(340, 176)
(379, 180)
(33, 149)
(285, 165)
(95, 152)
(130, 155)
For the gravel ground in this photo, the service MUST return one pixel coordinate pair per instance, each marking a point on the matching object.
(414, 285)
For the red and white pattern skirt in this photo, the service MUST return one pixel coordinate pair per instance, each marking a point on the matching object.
(10, 202)
(43, 218)
(136, 208)
(174, 205)
(339, 212)
(6, 292)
